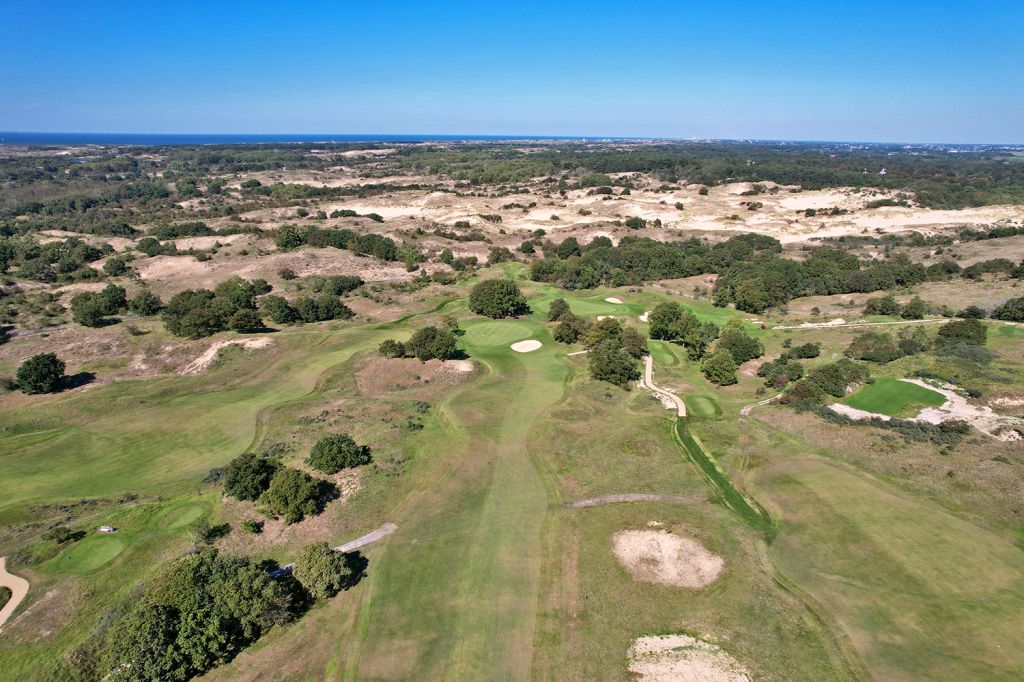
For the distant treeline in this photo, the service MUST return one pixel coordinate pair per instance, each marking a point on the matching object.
(750, 273)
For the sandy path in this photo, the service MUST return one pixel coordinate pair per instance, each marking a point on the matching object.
(631, 497)
(18, 587)
(667, 398)
(202, 362)
(747, 409)
(845, 325)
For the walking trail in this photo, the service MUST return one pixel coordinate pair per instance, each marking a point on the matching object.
(18, 587)
(351, 545)
(746, 409)
(631, 497)
(667, 398)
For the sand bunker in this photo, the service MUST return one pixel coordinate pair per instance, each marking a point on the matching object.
(613, 299)
(605, 317)
(680, 658)
(198, 365)
(527, 346)
(666, 558)
(646, 316)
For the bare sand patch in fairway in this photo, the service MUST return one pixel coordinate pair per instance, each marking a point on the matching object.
(527, 346)
(646, 316)
(665, 558)
(681, 658)
(613, 299)
(202, 362)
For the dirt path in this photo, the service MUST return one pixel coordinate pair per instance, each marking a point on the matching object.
(747, 409)
(847, 325)
(631, 497)
(18, 587)
(667, 398)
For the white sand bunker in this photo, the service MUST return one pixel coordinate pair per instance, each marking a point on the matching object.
(613, 299)
(202, 362)
(680, 658)
(657, 556)
(605, 317)
(646, 316)
(527, 346)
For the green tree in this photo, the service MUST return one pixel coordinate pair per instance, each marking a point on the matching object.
(322, 308)
(289, 237)
(145, 303)
(246, 321)
(882, 305)
(337, 451)
(430, 342)
(568, 248)
(915, 309)
(278, 310)
(558, 307)
(390, 348)
(40, 374)
(611, 362)
(969, 331)
(143, 646)
(322, 571)
(294, 494)
(248, 476)
(741, 346)
(1011, 311)
(88, 309)
(115, 266)
(497, 298)
(571, 328)
(720, 368)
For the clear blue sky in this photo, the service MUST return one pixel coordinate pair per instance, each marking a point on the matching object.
(899, 70)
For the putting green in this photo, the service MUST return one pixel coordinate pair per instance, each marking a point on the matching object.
(91, 554)
(701, 406)
(173, 519)
(894, 398)
(498, 333)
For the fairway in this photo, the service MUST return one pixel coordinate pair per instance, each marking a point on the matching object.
(894, 398)
(174, 519)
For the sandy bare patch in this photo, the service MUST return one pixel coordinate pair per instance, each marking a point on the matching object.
(646, 316)
(18, 587)
(665, 558)
(383, 375)
(681, 658)
(605, 317)
(201, 363)
(613, 299)
(527, 346)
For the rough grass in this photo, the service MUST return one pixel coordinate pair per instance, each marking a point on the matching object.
(895, 398)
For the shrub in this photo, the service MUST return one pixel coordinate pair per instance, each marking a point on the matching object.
(973, 312)
(390, 348)
(611, 362)
(253, 526)
(322, 571)
(968, 331)
(337, 451)
(293, 495)
(914, 309)
(807, 350)
(882, 305)
(740, 346)
(246, 321)
(1011, 311)
(279, 310)
(145, 303)
(248, 476)
(558, 307)
(431, 342)
(720, 368)
(498, 298)
(40, 374)
(321, 308)
(115, 267)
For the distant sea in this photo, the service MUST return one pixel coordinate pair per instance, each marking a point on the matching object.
(160, 139)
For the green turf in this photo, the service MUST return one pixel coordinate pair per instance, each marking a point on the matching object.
(181, 517)
(698, 405)
(894, 398)
(91, 554)
(497, 333)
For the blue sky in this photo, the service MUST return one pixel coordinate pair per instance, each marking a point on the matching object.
(901, 70)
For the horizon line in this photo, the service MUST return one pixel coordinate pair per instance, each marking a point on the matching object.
(455, 137)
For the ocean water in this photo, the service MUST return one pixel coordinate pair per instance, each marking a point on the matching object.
(161, 139)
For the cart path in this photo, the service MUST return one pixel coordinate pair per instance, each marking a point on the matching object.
(664, 395)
